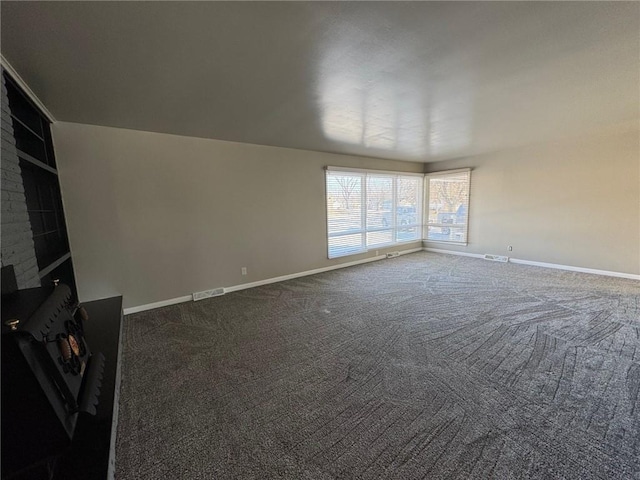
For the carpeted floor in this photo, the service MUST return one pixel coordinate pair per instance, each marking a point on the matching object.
(423, 366)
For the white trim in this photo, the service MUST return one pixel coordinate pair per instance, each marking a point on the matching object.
(330, 168)
(445, 242)
(447, 172)
(556, 266)
(411, 250)
(163, 303)
(453, 252)
(570, 268)
(23, 85)
(244, 286)
(291, 276)
(313, 272)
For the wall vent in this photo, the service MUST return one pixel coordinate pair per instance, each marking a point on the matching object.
(216, 292)
(393, 254)
(496, 258)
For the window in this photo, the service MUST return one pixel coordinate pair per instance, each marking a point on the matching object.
(371, 209)
(448, 194)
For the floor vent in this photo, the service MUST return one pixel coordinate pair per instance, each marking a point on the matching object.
(216, 292)
(393, 254)
(496, 258)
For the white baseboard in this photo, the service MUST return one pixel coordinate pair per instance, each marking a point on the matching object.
(244, 286)
(453, 252)
(556, 266)
(267, 281)
(163, 303)
(411, 250)
(593, 271)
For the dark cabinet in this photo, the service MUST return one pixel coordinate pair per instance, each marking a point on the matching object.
(34, 148)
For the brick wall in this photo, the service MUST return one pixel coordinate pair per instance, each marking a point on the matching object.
(17, 239)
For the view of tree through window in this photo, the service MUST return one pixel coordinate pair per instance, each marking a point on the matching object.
(448, 206)
(371, 210)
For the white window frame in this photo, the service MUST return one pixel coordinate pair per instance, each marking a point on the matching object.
(393, 228)
(425, 234)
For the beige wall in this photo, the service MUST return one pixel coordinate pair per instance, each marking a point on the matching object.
(572, 203)
(154, 216)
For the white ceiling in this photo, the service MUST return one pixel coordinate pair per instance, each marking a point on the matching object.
(403, 80)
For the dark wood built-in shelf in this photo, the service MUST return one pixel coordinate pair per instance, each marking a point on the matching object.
(17, 119)
(34, 147)
(55, 264)
(25, 156)
(44, 258)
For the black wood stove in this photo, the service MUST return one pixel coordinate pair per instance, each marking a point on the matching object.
(49, 377)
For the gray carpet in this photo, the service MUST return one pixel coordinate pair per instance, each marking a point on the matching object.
(423, 366)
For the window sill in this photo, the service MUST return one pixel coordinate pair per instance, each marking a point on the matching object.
(445, 242)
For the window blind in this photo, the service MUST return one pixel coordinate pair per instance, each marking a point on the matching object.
(371, 209)
(448, 206)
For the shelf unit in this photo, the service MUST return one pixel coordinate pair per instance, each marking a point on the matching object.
(34, 146)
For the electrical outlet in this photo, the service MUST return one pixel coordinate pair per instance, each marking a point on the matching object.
(244, 270)
(510, 248)
(377, 252)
